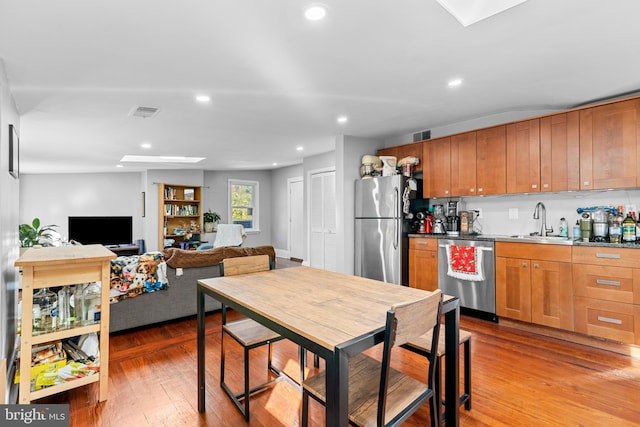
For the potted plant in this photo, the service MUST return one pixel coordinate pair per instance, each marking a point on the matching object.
(210, 220)
(35, 235)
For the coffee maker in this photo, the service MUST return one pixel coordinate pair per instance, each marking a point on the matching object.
(453, 220)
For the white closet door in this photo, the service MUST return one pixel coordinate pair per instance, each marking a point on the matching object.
(322, 221)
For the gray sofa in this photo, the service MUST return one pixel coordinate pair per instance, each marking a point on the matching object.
(179, 299)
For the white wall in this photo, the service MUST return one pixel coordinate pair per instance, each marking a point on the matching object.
(349, 152)
(467, 125)
(280, 207)
(216, 197)
(55, 197)
(9, 200)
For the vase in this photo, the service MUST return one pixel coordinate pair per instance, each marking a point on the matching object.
(208, 227)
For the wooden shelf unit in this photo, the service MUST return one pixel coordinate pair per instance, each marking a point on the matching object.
(177, 211)
(58, 266)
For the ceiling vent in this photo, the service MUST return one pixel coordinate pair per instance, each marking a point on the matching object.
(421, 136)
(144, 112)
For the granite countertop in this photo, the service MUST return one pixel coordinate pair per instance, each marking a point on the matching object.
(526, 239)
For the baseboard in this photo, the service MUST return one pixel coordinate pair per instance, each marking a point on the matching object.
(282, 253)
(575, 337)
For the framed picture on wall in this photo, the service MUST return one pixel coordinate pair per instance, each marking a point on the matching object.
(14, 152)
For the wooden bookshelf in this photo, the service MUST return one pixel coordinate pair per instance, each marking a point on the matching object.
(179, 212)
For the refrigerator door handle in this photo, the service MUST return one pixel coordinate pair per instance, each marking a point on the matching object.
(396, 239)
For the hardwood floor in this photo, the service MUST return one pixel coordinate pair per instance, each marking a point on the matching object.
(519, 379)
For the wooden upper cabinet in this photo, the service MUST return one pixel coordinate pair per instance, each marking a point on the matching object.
(491, 172)
(414, 149)
(463, 164)
(609, 136)
(560, 152)
(437, 175)
(523, 156)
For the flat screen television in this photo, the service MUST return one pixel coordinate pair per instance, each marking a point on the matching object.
(103, 230)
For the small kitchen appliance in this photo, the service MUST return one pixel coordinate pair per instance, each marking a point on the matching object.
(600, 219)
(586, 226)
(453, 220)
(466, 222)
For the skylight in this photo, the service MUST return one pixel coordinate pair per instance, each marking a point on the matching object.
(469, 12)
(160, 159)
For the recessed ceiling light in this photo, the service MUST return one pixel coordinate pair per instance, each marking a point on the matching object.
(160, 159)
(274, 164)
(145, 145)
(315, 12)
(342, 119)
(455, 82)
(119, 166)
(299, 148)
(203, 98)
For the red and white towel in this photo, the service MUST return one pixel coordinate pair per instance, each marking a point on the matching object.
(464, 262)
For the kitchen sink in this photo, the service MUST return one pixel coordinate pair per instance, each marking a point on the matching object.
(556, 240)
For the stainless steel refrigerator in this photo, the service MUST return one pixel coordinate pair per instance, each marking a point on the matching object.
(382, 245)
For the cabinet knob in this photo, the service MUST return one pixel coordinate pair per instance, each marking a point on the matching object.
(446, 191)
(536, 266)
(479, 190)
(545, 185)
(471, 190)
(524, 265)
(534, 185)
(586, 183)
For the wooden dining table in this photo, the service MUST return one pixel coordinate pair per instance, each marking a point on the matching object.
(334, 315)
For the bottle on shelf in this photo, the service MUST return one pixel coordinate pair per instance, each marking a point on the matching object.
(44, 311)
(78, 304)
(64, 307)
(628, 229)
(92, 300)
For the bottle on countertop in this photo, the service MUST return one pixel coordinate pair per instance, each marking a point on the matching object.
(628, 229)
(577, 231)
(564, 228)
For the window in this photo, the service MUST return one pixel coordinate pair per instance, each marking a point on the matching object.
(243, 203)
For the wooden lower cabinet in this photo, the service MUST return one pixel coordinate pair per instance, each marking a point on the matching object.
(607, 319)
(423, 263)
(533, 286)
(513, 288)
(607, 293)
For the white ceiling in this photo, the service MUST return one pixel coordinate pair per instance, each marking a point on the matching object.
(76, 68)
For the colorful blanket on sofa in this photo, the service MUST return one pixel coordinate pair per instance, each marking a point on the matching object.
(134, 275)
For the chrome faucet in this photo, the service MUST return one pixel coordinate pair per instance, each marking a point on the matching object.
(536, 215)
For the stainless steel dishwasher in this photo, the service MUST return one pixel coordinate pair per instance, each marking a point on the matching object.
(477, 295)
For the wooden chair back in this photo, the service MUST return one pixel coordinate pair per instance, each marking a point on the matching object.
(245, 265)
(406, 322)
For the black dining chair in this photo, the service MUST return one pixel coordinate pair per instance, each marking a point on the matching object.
(246, 332)
(423, 345)
(378, 394)
(250, 334)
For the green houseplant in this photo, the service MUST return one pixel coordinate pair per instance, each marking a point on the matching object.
(210, 219)
(33, 234)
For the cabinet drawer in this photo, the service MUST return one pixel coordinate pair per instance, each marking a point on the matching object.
(544, 252)
(423, 244)
(612, 320)
(618, 257)
(619, 284)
